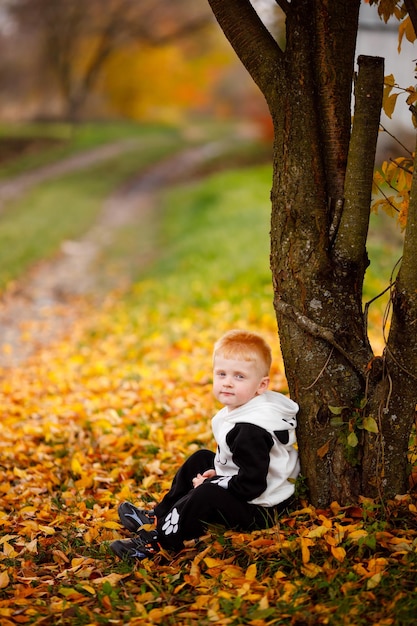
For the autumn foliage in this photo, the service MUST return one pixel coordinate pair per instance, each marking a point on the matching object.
(108, 414)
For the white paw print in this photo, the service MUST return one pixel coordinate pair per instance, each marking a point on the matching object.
(171, 523)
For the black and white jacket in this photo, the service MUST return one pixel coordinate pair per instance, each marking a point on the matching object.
(255, 449)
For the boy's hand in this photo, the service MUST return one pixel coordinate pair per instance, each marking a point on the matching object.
(200, 478)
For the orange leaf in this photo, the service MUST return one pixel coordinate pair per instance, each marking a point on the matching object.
(251, 572)
(339, 553)
(305, 552)
(323, 450)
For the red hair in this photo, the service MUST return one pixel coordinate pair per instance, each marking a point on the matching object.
(244, 345)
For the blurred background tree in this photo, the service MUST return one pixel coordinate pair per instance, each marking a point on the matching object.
(147, 60)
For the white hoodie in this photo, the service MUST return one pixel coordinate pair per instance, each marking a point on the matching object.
(255, 449)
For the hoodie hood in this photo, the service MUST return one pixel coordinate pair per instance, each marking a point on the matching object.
(271, 410)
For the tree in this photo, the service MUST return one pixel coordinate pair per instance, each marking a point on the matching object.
(356, 408)
(77, 38)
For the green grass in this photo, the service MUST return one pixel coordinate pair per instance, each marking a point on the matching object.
(33, 227)
(230, 211)
(218, 228)
(63, 139)
(68, 139)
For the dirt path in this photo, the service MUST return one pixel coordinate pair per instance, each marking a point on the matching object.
(44, 304)
(11, 189)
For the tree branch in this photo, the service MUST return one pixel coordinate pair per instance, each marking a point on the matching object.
(353, 229)
(181, 30)
(407, 277)
(336, 28)
(411, 6)
(251, 40)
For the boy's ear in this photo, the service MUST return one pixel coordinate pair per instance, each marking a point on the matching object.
(263, 385)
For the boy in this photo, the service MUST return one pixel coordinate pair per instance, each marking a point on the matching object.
(248, 481)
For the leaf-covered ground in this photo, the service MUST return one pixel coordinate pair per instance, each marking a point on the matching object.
(108, 414)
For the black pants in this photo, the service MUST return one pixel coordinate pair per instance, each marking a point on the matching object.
(184, 512)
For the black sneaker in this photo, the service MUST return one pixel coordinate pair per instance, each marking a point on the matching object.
(135, 548)
(133, 518)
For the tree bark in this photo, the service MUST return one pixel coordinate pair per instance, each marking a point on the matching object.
(385, 468)
(321, 193)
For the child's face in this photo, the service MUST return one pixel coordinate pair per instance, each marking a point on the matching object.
(235, 381)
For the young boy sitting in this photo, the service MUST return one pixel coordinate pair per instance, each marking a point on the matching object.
(249, 481)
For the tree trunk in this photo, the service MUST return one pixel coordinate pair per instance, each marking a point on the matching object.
(321, 193)
(385, 468)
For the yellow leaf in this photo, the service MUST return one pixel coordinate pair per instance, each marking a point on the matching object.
(156, 615)
(412, 95)
(319, 531)
(406, 28)
(7, 538)
(389, 80)
(264, 603)
(69, 592)
(85, 482)
(311, 570)
(201, 601)
(148, 481)
(89, 589)
(28, 511)
(113, 579)
(389, 104)
(32, 546)
(112, 525)
(20, 473)
(210, 562)
(4, 579)
(251, 572)
(370, 424)
(357, 534)
(76, 467)
(9, 551)
(360, 570)
(78, 561)
(48, 530)
(374, 581)
(378, 564)
(352, 440)
(85, 572)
